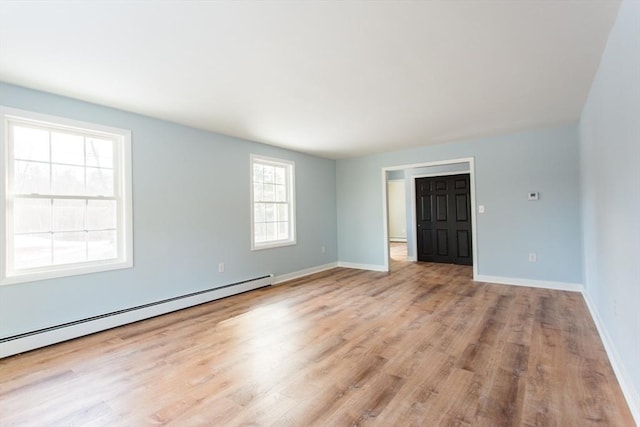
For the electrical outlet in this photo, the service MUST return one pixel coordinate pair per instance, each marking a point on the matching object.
(221, 267)
(481, 209)
(323, 249)
(533, 257)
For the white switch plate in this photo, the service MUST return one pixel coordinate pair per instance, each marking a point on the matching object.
(221, 267)
(532, 257)
(480, 208)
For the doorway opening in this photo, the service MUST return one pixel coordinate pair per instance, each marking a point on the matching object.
(397, 208)
(409, 173)
(398, 251)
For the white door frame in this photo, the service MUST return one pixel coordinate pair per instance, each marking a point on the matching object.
(385, 204)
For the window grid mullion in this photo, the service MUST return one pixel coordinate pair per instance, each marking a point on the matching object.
(26, 233)
(51, 236)
(9, 164)
(86, 201)
(58, 163)
(84, 225)
(61, 197)
(84, 159)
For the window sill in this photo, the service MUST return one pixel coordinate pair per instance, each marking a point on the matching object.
(64, 272)
(271, 245)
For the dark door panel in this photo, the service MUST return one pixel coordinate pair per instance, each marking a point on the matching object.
(443, 242)
(462, 208)
(428, 239)
(464, 244)
(443, 206)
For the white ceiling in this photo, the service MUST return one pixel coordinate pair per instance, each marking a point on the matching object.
(332, 78)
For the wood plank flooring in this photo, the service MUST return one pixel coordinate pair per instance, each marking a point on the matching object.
(421, 346)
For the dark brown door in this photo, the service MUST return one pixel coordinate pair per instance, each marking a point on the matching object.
(443, 212)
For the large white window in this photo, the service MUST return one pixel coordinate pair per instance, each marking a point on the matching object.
(66, 197)
(272, 203)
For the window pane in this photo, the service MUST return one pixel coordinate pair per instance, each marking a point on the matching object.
(31, 178)
(257, 192)
(68, 215)
(67, 180)
(257, 173)
(67, 148)
(268, 193)
(280, 175)
(270, 212)
(258, 212)
(101, 214)
(102, 245)
(69, 247)
(283, 230)
(259, 233)
(99, 152)
(30, 144)
(269, 174)
(99, 182)
(32, 215)
(32, 250)
(283, 212)
(281, 193)
(271, 231)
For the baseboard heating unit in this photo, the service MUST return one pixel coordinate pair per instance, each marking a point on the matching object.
(54, 334)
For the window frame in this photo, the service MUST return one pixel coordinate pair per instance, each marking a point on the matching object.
(289, 165)
(122, 195)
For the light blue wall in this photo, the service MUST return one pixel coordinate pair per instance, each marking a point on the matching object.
(437, 169)
(394, 175)
(191, 211)
(507, 168)
(610, 160)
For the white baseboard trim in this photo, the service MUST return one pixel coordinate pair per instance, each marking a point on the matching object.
(559, 286)
(630, 393)
(412, 259)
(53, 335)
(372, 267)
(302, 273)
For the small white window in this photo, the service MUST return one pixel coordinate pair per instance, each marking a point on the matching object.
(272, 203)
(66, 197)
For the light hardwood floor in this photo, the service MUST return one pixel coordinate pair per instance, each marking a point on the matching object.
(423, 346)
(398, 251)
